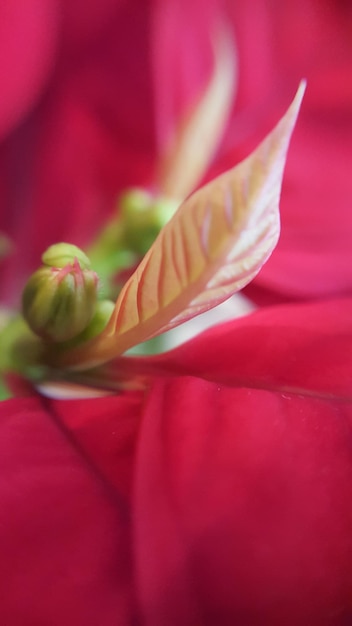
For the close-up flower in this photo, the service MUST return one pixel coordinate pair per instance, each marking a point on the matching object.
(161, 160)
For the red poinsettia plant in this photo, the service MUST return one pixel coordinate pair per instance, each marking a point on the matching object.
(212, 486)
(205, 485)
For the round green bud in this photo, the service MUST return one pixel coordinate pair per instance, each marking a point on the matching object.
(60, 254)
(143, 216)
(58, 303)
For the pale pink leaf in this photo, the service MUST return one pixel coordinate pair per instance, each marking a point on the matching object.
(213, 246)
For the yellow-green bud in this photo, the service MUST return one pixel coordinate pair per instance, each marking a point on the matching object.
(59, 302)
(143, 216)
(60, 254)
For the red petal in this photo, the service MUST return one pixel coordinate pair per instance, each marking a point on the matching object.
(84, 20)
(106, 431)
(182, 58)
(242, 511)
(305, 349)
(28, 39)
(63, 532)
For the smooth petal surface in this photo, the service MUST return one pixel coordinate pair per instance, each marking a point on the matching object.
(28, 47)
(64, 532)
(213, 246)
(242, 508)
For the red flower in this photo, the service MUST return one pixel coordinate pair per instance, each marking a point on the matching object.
(221, 496)
(220, 493)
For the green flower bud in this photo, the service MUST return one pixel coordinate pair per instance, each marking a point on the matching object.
(58, 303)
(143, 216)
(60, 254)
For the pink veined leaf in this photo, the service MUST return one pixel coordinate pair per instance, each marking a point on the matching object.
(213, 246)
(195, 142)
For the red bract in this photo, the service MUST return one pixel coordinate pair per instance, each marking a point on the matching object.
(221, 496)
(28, 40)
(64, 533)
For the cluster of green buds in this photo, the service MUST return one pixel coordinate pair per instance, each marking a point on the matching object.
(60, 300)
(128, 235)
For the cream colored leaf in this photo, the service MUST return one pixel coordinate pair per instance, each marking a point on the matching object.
(196, 140)
(213, 246)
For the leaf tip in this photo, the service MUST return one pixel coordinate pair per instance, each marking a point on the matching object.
(297, 101)
(295, 106)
